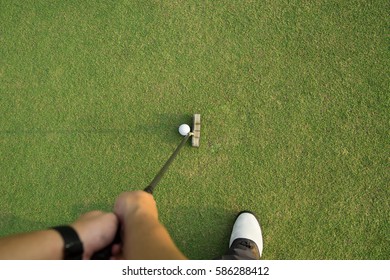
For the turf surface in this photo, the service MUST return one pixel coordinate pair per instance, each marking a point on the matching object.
(295, 118)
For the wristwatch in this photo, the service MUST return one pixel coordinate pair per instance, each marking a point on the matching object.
(73, 249)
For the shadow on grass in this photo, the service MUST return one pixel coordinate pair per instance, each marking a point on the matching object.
(200, 233)
(10, 224)
(79, 209)
(156, 126)
(173, 121)
(165, 128)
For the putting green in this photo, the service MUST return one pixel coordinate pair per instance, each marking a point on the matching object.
(295, 120)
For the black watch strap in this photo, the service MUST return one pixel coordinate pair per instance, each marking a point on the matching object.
(73, 249)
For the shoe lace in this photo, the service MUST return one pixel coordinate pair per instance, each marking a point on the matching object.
(246, 244)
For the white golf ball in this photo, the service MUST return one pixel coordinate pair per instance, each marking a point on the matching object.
(184, 129)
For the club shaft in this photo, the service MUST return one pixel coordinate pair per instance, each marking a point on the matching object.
(162, 171)
(105, 253)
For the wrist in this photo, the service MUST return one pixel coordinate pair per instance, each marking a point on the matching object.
(73, 248)
(131, 205)
(140, 215)
(141, 221)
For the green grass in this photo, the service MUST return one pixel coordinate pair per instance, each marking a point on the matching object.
(294, 97)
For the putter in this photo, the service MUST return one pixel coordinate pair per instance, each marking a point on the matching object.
(195, 143)
(105, 253)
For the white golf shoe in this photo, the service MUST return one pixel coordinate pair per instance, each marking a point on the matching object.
(246, 235)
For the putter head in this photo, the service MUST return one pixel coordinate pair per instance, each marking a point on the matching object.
(196, 130)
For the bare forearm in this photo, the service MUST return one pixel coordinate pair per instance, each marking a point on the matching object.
(44, 245)
(146, 238)
(90, 233)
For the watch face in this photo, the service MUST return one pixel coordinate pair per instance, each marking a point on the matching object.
(72, 245)
(73, 250)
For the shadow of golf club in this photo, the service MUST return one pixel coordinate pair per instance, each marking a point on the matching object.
(165, 128)
(154, 126)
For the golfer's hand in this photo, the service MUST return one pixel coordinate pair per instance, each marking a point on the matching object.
(136, 211)
(143, 236)
(96, 230)
(130, 205)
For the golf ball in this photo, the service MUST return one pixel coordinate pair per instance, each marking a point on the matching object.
(184, 129)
